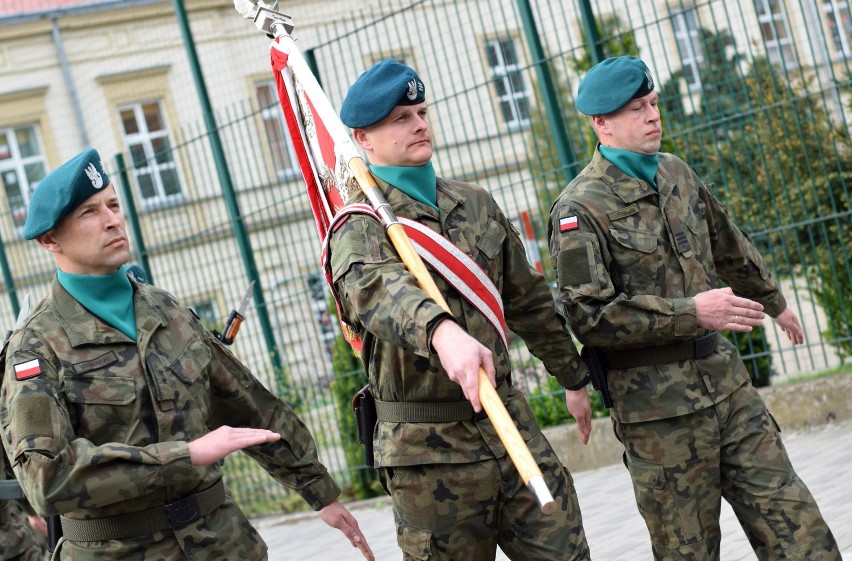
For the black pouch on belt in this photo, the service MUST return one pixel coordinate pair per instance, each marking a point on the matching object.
(364, 406)
(596, 361)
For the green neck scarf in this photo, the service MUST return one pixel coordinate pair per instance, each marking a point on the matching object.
(109, 297)
(640, 166)
(418, 182)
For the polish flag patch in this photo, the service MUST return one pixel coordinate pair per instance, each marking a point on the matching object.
(568, 223)
(29, 369)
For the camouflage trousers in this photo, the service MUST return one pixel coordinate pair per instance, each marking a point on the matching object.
(682, 467)
(462, 512)
(33, 554)
(19, 541)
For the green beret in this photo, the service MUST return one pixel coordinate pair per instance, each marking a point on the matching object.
(63, 190)
(378, 90)
(610, 84)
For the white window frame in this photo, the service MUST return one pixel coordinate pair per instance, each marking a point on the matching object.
(17, 164)
(145, 138)
(274, 113)
(778, 50)
(504, 71)
(686, 32)
(841, 37)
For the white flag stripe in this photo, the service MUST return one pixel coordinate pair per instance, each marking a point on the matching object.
(29, 365)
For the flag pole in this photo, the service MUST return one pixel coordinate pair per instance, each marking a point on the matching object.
(279, 26)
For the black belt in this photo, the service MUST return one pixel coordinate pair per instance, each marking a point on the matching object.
(175, 515)
(10, 490)
(431, 411)
(688, 350)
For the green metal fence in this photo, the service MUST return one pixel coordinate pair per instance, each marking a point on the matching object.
(754, 94)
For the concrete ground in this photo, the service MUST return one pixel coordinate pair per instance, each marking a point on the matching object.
(615, 531)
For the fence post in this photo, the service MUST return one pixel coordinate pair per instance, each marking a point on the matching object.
(133, 216)
(9, 280)
(311, 58)
(593, 40)
(548, 92)
(228, 194)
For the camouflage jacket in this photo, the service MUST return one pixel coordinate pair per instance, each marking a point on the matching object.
(102, 428)
(626, 282)
(16, 534)
(382, 300)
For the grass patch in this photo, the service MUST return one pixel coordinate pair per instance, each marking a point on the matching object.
(838, 371)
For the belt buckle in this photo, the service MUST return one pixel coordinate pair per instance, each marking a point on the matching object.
(183, 512)
(705, 345)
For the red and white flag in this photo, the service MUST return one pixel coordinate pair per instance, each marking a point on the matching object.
(568, 223)
(322, 145)
(321, 142)
(29, 369)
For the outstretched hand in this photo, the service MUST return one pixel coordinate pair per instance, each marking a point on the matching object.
(580, 408)
(789, 323)
(225, 440)
(337, 516)
(462, 356)
(720, 309)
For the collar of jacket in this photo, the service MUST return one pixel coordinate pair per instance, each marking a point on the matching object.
(629, 189)
(82, 327)
(403, 205)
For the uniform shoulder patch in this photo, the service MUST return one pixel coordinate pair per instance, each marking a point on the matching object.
(568, 223)
(28, 369)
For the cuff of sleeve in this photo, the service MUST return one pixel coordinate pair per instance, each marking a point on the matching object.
(576, 376)
(432, 318)
(685, 321)
(321, 492)
(175, 459)
(775, 305)
(581, 385)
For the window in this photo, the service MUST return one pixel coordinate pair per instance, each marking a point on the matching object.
(22, 166)
(283, 156)
(147, 139)
(776, 32)
(685, 24)
(839, 22)
(509, 84)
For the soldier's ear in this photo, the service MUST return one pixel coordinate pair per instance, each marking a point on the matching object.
(49, 242)
(362, 139)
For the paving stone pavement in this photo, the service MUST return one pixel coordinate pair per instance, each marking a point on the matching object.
(614, 529)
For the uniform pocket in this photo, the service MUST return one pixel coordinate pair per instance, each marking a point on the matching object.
(103, 406)
(659, 505)
(191, 362)
(415, 542)
(579, 265)
(643, 242)
(636, 260)
(100, 390)
(492, 240)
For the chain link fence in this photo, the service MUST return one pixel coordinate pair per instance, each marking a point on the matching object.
(754, 95)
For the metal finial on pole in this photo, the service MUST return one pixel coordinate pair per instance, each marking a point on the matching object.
(265, 16)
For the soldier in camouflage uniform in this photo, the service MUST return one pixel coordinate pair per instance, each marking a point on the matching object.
(455, 492)
(638, 242)
(116, 402)
(20, 540)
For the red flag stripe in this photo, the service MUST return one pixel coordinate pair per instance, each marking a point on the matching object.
(479, 290)
(27, 369)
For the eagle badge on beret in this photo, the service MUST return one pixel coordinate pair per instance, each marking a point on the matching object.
(412, 90)
(95, 177)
